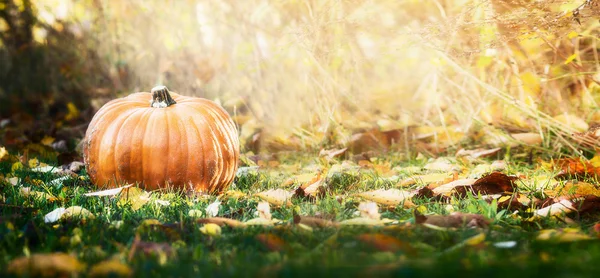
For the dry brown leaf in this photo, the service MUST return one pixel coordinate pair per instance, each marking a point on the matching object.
(493, 183)
(384, 243)
(334, 153)
(314, 222)
(589, 138)
(312, 189)
(454, 220)
(372, 140)
(528, 138)
(110, 268)
(277, 197)
(46, 265)
(387, 197)
(271, 242)
(221, 221)
(477, 153)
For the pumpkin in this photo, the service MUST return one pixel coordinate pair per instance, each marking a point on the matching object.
(162, 139)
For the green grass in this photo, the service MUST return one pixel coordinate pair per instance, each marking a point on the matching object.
(317, 252)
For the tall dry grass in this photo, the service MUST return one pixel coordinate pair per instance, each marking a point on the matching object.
(319, 71)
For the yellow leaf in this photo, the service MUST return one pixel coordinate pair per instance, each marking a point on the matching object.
(475, 240)
(572, 35)
(484, 61)
(3, 153)
(565, 235)
(77, 212)
(47, 140)
(211, 229)
(531, 83)
(135, 196)
(573, 121)
(389, 197)
(16, 166)
(46, 265)
(110, 268)
(34, 162)
(276, 197)
(570, 59)
(72, 113)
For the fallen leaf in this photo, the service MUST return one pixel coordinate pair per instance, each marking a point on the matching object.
(314, 222)
(562, 207)
(3, 153)
(54, 215)
(572, 121)
(454, 220)
(528, 138)
(447, 188)
(505, 244)
(387, 197)
(478, 153)
(589, 138)
(68, 213)
(369, 210)
(27, 192)
(46, 265)
(109, 192)
(441, 165)
(271, 242)
(277, 197)
(311, 189)
(430, 179)
(264, 210)
(575, 169)
(134, 196)
(221, 221)
(77, 212)
(493, 183)
(331, 154)
(372, 140)
(211, 229)
(259, 222)
(574, 188)
(563, 235)
(110, 268)
(212, 209)
(384, 242)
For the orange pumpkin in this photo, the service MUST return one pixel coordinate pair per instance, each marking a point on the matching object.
(162, 139)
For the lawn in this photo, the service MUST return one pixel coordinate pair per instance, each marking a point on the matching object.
(346, 226)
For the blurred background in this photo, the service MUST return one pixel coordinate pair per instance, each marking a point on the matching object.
(308, 75)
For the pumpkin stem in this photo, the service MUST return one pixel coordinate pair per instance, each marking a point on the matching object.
(161, 97)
